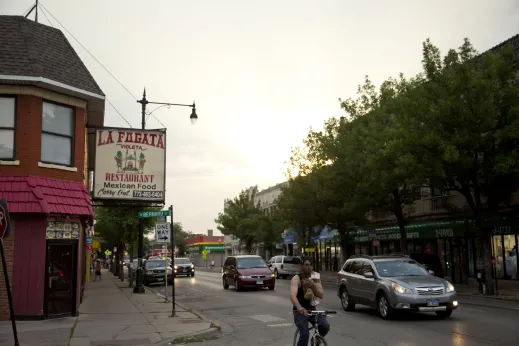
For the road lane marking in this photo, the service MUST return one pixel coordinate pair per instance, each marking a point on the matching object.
(280, 325)
(267, 318)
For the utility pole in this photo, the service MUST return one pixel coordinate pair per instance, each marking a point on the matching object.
(139, 287)
(35, 7)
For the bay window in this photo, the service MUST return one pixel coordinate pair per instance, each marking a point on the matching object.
(7, 127)
(57, 135)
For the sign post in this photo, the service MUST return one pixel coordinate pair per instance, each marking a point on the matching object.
(166, 265)
(5, 231)
(172, 237)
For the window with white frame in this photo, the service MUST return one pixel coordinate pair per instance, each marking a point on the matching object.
(7, 126)
(57, 135)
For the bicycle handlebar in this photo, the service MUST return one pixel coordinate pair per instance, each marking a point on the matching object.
(320, 312)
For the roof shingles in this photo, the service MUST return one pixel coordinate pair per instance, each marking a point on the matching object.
(33, 49)
(31, 194)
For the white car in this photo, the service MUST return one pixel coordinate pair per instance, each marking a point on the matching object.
(284, 266)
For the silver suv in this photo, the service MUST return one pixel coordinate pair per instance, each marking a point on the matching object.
(392, 283)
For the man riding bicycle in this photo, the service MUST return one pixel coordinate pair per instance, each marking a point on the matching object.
(302, 305)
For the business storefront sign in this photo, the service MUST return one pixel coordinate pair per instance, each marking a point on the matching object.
(62, 230)
(130, 165)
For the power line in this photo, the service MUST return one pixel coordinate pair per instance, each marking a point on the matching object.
(42, 11)
(27, 10)
(93, 57)
(107, 100)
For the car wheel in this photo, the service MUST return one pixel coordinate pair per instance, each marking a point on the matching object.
(383, 307)
(346, 302)
(225, 286)
(236, 285)
(444, 314)
(193, 275)
(271, 288)
(276, 273)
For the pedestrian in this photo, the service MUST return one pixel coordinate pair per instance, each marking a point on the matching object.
(98, 270)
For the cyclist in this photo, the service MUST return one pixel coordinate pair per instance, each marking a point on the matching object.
(302, 305)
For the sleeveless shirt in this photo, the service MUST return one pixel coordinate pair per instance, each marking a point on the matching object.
(301, 298)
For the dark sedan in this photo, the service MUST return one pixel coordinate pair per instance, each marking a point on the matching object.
(155, 272)
(183, 266)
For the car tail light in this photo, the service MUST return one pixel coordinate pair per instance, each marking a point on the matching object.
(61, 274)
(269, 265)
(338, 273)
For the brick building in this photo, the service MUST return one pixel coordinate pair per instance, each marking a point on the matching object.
(47, 99)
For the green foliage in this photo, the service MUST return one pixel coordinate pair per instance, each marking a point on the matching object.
(119, 224)
(242, 217)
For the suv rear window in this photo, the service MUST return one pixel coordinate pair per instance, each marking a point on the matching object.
(292, 260)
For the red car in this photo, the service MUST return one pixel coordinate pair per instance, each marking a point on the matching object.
(247, 271)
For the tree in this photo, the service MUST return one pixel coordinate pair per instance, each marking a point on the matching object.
(242, 218)
(118, 225)
(463, 122)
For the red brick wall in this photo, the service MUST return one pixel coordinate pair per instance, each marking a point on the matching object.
(28, 142)
(8, 250)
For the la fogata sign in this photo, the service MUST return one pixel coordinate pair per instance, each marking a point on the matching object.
(130, 164)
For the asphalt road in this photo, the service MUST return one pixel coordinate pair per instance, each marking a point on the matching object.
(262, 317)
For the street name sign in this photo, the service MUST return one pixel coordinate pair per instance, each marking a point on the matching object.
(152, 213)
(162, 230)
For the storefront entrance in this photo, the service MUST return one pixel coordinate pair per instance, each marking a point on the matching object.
(460, 261)
(61, 278)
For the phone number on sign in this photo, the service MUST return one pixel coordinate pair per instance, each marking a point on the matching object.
(148, 194)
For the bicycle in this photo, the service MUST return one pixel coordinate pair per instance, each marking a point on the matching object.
(316, 339)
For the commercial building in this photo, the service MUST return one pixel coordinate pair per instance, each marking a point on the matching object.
(212, 246)
(47, 100)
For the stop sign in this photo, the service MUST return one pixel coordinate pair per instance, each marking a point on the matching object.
(3, 221)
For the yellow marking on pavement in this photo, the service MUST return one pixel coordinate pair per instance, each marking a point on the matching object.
(279, 325)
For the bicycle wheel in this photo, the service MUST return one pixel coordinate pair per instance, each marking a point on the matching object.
(296, 336)
(319, 341)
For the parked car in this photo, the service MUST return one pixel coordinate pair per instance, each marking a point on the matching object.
(183, 266)
(430, 261)
(392, 283)
(155, 271)
(247, 271)
(283, 266)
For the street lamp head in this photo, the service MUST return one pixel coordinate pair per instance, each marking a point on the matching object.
(193, 116)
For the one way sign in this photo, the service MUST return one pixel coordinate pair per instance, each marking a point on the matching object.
(162, 232)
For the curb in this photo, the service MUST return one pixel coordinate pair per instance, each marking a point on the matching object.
(201, 334)
(489, 306)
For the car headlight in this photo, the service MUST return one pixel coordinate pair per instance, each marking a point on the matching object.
(176, 267)
(245, 277)
(273, 275)
(402, 290)
(192, 266)
(149, 272)
(169, 271)
(450, 287)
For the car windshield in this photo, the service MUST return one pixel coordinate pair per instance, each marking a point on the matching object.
(182, 261)
(400, 268)
(251, 262)
(292, 260)
(155, 264)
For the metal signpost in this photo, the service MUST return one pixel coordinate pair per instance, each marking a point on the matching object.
(162, 236)
(5, 231)
(172, 237)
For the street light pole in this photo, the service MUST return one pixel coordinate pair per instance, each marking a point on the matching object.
(139, 287)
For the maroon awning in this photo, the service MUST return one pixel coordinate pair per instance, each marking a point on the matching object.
(31, 194)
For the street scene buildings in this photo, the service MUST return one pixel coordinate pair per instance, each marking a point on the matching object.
(104, 229)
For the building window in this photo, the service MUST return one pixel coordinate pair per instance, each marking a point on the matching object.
(7, 125)
(57, 137)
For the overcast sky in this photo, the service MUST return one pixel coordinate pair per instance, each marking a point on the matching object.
(261, 72)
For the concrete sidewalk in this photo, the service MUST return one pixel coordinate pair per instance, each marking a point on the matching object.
(111, 314)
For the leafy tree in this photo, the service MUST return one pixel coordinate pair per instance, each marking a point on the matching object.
(119, 225)
(463, 122)
(242, 218)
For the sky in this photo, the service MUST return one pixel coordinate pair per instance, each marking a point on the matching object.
(262, 73)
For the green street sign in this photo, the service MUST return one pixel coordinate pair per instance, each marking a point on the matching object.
(152, 213)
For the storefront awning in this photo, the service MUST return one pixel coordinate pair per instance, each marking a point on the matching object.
(30, 194)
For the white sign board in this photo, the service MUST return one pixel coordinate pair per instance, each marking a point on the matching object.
(130, 165)
(162, 232)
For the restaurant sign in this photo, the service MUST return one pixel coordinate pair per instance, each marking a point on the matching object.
(130, 165)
